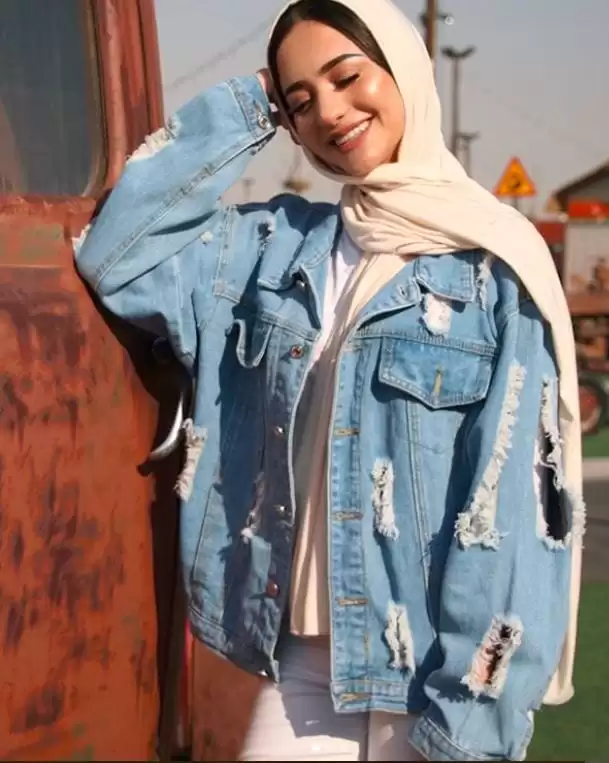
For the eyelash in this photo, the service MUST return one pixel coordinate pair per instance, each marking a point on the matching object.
(341, 83)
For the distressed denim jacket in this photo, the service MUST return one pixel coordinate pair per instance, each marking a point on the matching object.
(449, 530)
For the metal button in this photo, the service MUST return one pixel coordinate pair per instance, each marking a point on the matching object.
(272, 589)
(297, 351)
(278, 430)
(263, 121)
(280, 509)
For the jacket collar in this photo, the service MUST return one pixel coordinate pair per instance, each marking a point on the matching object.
(447, 275)
(450, 275)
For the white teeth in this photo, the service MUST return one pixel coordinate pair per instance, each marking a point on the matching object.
(353, 134)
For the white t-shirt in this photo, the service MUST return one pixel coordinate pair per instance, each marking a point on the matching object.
(341, 265)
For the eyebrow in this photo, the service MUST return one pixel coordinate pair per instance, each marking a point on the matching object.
(324, 70)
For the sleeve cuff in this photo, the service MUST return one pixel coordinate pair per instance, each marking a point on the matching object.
(255, 105)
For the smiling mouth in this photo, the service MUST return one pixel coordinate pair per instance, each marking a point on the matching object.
(349, 140)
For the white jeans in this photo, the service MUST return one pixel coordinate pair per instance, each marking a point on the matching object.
(295, 720)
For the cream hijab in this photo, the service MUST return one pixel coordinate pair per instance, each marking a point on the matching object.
(425, 203)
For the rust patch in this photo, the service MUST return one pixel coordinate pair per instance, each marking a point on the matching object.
(30, 243)
(15, 624)
(13, 411)
(75, 421)
(43, 708)
(144, 668)
(86, 648)
(17, 546)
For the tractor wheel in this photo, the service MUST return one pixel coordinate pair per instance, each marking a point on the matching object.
(593, 404)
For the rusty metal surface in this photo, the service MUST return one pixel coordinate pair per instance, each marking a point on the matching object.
(77, 610)
(87, 535)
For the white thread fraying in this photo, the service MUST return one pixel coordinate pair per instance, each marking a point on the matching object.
(550, 427)
(437, 314)
(484, 274)
(477, 524)
(382, 499)
(489, 668)
(578, 514)
(538, 468)
(576, 508)
(399, 638)
(254, 518)
(195, 441)
(266, 230)
(152, 145)
(571, 499)
(207, 237)
(78, 241)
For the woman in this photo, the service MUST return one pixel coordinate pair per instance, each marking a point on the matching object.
(382, 486)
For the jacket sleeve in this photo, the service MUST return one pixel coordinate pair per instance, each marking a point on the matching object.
(166, 198)
(505, 591)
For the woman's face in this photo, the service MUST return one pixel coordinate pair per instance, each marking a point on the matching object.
(345, 109)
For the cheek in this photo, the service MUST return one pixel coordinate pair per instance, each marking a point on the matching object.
(305, 134)
(373, 88)
(379, 94)
(393, 113)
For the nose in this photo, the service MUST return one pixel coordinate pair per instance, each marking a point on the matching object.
(331, 108)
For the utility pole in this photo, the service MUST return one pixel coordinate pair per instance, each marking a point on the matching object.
(457, 57)
(429, 20)
(431, 29)
(466, 139)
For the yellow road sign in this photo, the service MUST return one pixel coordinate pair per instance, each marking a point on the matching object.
(515, 181)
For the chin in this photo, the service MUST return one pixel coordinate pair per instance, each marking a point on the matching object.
(361, 169)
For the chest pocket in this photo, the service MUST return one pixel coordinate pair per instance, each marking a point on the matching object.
(438, 374)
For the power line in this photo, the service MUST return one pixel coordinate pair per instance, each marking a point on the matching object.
(533, 120)
(220, 56)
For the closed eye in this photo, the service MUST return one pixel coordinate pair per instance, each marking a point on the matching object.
(346, 81)
(299, 108)
(340, 84)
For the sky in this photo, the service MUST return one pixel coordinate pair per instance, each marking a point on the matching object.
(537, 86)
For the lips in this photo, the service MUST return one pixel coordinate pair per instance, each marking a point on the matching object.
(345, 136)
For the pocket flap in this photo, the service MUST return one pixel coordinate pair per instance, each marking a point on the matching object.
(441, 375)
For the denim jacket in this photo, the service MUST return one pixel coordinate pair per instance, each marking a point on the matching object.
(448, 525)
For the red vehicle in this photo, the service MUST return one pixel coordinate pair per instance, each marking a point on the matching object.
(91, 614)
(86, 586)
